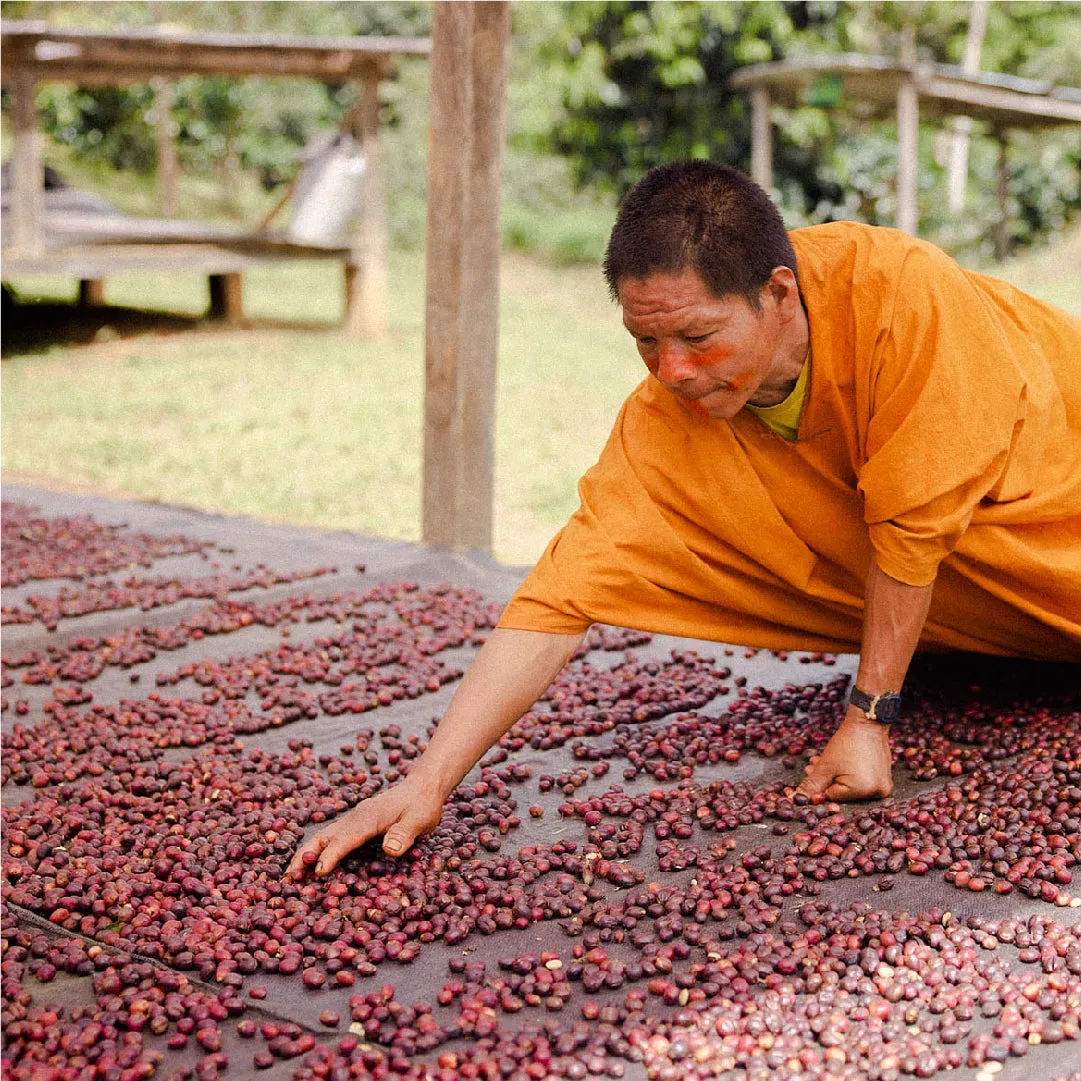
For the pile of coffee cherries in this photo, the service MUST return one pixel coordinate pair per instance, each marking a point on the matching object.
(146, 593)
(693, 919)
(39, 548)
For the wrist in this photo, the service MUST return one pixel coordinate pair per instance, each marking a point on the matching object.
(431, 781)
(883, 707)
(855, 718)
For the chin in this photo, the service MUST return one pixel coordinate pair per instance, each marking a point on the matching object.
(725, 409)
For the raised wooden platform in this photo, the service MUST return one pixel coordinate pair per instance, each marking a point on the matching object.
(84, 238)
(89, 241)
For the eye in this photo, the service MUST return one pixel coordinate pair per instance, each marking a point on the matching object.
(697, 339)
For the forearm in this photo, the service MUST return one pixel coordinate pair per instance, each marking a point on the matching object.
(855, 764)
(894, 616)
(511, 671)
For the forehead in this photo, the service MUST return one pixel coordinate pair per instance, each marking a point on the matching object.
(670, 297)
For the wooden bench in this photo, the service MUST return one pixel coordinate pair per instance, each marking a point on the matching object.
(90, 241)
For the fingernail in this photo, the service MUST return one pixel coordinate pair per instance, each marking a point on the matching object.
(392, 844)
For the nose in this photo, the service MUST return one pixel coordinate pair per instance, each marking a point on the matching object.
(674, 364)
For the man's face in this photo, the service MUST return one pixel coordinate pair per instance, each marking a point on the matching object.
(713, 354)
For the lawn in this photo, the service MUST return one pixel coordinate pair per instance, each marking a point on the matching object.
(288, 419)
(300, 423)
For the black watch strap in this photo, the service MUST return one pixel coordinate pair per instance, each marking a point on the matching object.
(883, 708)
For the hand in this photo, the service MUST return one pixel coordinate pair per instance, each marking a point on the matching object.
(401, 814)
(855, 764)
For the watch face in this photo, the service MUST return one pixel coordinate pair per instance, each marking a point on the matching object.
(888, 708)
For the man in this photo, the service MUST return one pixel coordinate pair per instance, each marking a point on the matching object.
(845, 442)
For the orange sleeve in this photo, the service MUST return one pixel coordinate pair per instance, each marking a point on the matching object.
(546, 600)
(947, 409)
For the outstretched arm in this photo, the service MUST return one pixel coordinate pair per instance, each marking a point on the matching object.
(856, 762)
(511, 671)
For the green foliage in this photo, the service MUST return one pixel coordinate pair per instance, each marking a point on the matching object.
(104, 125)
(599, 92)
(641, 82)
(644, 83)
(259, 124)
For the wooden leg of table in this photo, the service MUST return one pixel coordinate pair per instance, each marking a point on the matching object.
(226, 297)
(353, 320)
(91, 293)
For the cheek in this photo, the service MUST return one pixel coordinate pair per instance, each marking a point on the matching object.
(723, 361)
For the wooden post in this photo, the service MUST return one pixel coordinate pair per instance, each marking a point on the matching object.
(761, 138)
(908, 156)
(1002, 198)
(465, 144)
(957, 176)
(91, 293)
(908, 136)
(167, 168)
(226, 297)
(366, 276)
(28, 172)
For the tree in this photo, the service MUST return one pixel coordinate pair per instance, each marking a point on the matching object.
(645, 82)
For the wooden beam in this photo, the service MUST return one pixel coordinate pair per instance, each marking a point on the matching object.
(100, 258)
(957, 174)
(870, 90)
(908, 157)
(168, 172)
(366, 280)
(226, 297)
(999, 105)
(1002, 199)
(28, 171)
(91, 293)
(761, 138)
(465, 145)
(138, 56)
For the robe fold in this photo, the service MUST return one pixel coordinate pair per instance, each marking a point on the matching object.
(940, 435)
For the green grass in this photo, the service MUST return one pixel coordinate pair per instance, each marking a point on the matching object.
(1052, 274)
(304, 424)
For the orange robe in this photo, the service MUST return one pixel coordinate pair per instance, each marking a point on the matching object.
(941, 433)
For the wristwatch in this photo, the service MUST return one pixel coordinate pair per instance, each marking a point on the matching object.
(884, 708)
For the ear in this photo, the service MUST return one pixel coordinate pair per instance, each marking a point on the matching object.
(783, 288)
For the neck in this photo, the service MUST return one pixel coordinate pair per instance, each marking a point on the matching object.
(782, 380)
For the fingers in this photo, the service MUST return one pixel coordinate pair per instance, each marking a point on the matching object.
(305, 855)
(337, 847)
(839, 787)
(826, 782)
(839, 792)
(816, 781)
(398, 834)
(399, 825)
(361, 824)
(399, 837)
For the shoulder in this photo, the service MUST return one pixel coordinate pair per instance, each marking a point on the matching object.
(848, 244)
(866, 270)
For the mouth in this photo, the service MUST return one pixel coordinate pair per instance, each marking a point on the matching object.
(723, 389)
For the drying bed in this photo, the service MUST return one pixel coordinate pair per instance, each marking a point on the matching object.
(626, 886)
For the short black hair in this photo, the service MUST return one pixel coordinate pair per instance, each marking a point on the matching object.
(700, 216)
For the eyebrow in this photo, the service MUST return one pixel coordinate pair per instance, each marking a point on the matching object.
(692, 330)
